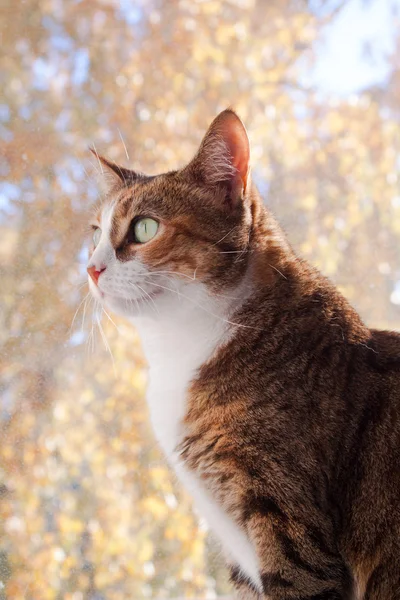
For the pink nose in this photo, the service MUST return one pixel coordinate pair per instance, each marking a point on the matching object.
(94, 274)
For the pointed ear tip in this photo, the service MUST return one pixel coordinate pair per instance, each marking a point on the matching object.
(229, 112)
(93, 151)
(105, 161)
(230, 115)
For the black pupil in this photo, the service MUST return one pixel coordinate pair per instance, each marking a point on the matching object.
(131, 235)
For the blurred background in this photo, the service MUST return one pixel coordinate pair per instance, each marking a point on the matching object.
(88, 507)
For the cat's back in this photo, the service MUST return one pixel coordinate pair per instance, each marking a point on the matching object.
(371, 479)
(378, 386)
(387, 347)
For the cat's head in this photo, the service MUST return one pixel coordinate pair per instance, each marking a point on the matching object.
(180, 235)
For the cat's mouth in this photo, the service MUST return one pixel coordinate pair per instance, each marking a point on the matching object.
(145, 304)
(143, 297)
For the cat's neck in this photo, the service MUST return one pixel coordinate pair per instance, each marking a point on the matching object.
(176, 343)
(187, 329)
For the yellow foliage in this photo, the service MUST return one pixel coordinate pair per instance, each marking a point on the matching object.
(309, 202)
(89, 507)
(146, 550)
(156, 506)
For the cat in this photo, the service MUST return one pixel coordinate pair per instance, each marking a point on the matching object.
(274, 403)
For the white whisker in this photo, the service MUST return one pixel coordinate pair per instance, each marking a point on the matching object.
(98, 159)
(90, 339)
(107, 347)
(192, 278)
(148, 296)
(89, 178)
(162, 274)
(123, 143)
(76, 312)
(81, 285)
(237, 259)
(277, 270)
(225, 236)
(110, 319)
(202, 307)
(84, 310)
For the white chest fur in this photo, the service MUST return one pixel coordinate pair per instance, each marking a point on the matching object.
(175, 351)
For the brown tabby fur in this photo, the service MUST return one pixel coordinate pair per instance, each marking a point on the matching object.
(294, 424)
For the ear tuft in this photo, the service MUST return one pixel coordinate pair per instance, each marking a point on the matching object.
(216, 165)
(224, 155)
(115, 175)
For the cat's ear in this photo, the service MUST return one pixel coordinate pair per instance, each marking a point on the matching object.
(113, 175)
(223, 158)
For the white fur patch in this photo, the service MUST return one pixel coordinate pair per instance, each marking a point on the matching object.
(176, 347)
(236, 545)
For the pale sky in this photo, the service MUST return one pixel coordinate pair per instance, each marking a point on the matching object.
(341, 68)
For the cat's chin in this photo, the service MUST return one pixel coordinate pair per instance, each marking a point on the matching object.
(131, 307)
(127, 307)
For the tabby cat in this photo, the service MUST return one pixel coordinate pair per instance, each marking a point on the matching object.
(277, 407)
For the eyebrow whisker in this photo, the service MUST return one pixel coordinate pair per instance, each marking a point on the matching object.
(98, 159)
(123, 143)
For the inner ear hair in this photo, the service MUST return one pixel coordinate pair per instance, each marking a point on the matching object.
(223, 158)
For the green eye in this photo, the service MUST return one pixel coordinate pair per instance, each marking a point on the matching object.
(145, 229)
(96, 236)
